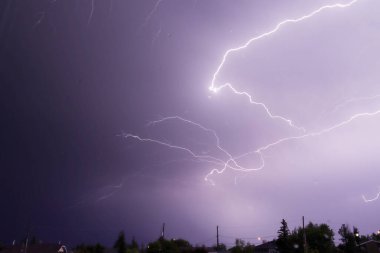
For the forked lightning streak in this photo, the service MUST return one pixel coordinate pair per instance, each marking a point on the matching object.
(228, 161)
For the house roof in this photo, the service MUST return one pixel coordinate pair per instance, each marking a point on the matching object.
(267, 245)
(35, 248)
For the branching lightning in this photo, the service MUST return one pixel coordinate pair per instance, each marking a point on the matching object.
(171, 146)
(217, 139)
(225, 160)
(252, 101)
(213, 87)
(260, 150)
(266, 34)
(231, 162)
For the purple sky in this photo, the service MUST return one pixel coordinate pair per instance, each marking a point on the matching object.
(77, 76)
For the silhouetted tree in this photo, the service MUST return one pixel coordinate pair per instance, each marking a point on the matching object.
(375, 236)
(283, 242)
(242, 247)
(169, 246)
(222, 247)
(359, 238)
(249, 248)
(355, 231)
(134, 245)
(120, 244)
(183, 245)
(201, 249)
(320, 238)
(239, 246)
(33, 241)
(348, 240)
(98, 248)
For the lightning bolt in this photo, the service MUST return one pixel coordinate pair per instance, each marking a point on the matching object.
(252, 101)
(260, 150)
(230, 162)
(371, 200)
(214, 88)
(225, 163)
(171, 146)
(213, 132)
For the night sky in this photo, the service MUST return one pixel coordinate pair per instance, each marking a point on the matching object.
(108, 122)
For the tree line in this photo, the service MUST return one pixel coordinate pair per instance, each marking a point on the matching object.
(313, 238)
(319, 238)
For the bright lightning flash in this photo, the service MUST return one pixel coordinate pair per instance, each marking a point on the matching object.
(228, 161)
(213, 87)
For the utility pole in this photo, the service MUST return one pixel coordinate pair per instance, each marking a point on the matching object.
(217, 237)
(163, 231)
(304, 235)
